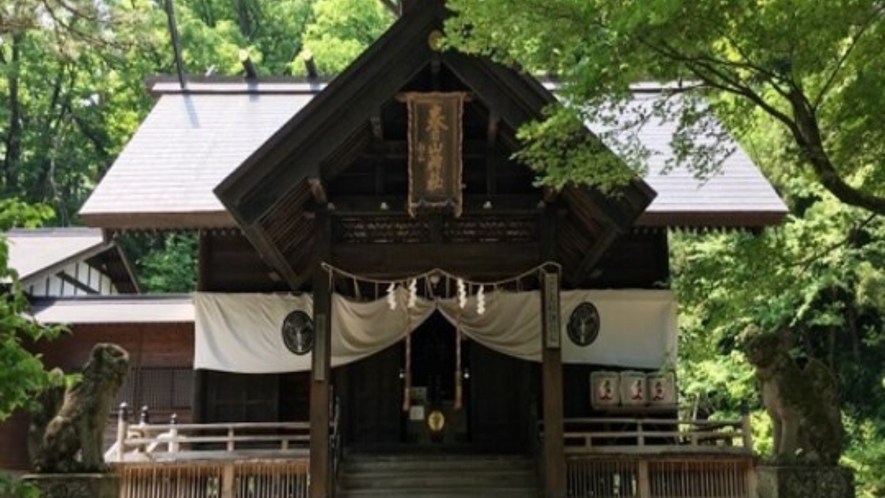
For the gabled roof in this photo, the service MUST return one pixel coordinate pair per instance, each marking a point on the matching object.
(266, 194)
(37, 253)
(190, 142)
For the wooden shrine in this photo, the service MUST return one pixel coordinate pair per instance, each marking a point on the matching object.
(397, 177)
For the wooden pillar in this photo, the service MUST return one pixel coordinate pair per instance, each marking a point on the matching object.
(551, 374)
(320, 457)
(198, 389)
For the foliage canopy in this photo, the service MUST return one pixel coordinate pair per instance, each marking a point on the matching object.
(814, 68)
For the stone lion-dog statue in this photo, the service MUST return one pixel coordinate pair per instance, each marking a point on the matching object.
(803, 404)
(67, 436)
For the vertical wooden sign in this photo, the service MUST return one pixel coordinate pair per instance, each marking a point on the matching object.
(435, 142)
(550, 295)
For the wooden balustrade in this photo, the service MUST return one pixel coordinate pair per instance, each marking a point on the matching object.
(168, 442)
(658, 476)
(221, 460)
(177, 442)
(644, 435)
(222, 479)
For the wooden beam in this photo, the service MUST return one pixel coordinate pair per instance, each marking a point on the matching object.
(491, 156)
(76, 283)
(516, 204)
(319, 191)
(392, 6)
(271, 255)
(551, 380)
(596, 252)
(515, 98)
(402, 260)
(377, 126)
(321, 480)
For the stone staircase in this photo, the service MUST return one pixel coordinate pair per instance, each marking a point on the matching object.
(437, 476)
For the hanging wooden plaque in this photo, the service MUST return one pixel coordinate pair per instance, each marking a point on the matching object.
(435, 141)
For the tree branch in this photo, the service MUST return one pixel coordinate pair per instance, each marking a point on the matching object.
(831, 79)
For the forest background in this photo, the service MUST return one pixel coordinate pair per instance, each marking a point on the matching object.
(72, 92)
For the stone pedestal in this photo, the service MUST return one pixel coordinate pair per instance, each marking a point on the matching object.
(75, 485)
(805, 481)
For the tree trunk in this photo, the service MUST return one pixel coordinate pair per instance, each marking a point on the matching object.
(12, 159)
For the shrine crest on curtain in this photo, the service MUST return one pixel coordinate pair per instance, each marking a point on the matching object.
(435, 141)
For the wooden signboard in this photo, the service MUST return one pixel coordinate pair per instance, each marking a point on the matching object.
(435, 141)
(552, 330)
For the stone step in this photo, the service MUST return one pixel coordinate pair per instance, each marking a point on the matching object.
(435, 463)
(433, 493)
(461, 478)
(437, 476)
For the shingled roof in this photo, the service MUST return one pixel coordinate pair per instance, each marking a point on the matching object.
(191, 141)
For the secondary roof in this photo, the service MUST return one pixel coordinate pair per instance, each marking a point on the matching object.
(34, 253)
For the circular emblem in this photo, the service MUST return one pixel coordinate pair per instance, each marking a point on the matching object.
(436, 421)
(298, 332)
(434, 40)
(583, 324)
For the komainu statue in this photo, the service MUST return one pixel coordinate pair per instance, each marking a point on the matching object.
(803, 404)
(67, 437)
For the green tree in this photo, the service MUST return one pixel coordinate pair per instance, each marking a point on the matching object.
(339, 32)
(814, 68)
(824, 279)
(22, 376)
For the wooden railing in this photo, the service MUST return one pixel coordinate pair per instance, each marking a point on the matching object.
(145, 441)
(207, 479)
(656, 476)
(644, 435)
(658, 458)
(224, 460)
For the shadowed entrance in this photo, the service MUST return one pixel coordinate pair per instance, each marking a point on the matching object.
(496, 398)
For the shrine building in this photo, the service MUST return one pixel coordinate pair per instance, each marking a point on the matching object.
(388, 303)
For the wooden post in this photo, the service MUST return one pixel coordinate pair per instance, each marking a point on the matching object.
(227, 480)
(644, 487)
(173, 445)
(551, 373)
(320, 455)
(752, 479)
(122, 429)
(746, 428)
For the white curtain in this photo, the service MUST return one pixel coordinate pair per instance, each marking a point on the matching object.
(511, 323)
(637, 328)
(242, 332)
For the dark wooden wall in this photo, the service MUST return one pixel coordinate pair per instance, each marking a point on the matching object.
(149, 345)
(230, 397)
(638, 260)
(229, 263)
